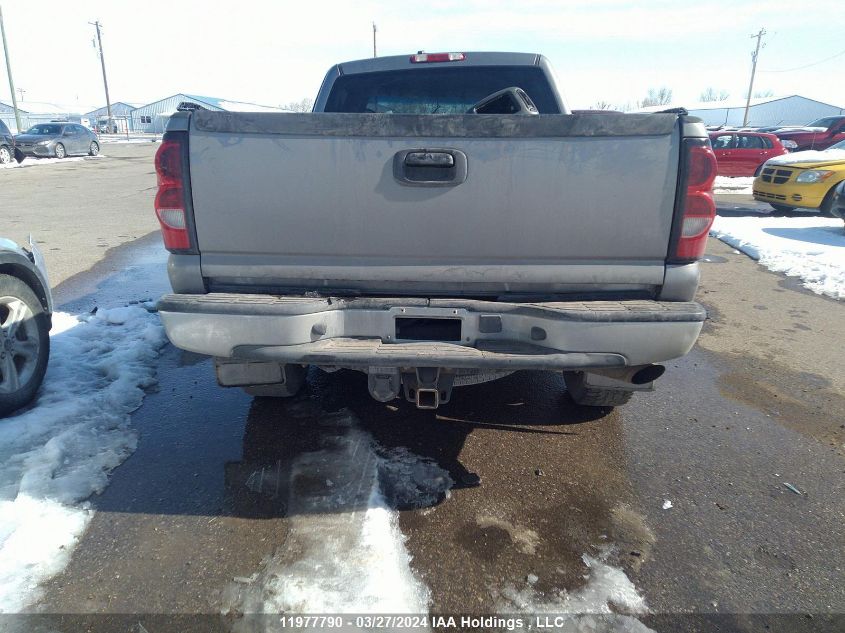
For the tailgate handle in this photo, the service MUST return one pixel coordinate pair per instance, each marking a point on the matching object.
(429, 159)
(430, 167)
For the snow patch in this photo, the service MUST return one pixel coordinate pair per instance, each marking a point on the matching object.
(667, 505)
(812, 248)
(61, 451)
(808, 156)
(344, 552)
(726, 184)
(592, 607)
(33, 162)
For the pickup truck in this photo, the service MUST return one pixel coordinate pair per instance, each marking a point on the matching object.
(438, 220)
(819, 134)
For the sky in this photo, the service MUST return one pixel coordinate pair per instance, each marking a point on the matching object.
(273, 53)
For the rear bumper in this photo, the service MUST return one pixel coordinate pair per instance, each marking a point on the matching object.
(361, 332)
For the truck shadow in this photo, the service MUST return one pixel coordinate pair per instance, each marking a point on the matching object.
(211, 451)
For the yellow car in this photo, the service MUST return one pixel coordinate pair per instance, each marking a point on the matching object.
(803, 179)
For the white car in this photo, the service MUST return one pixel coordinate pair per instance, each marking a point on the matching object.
(26, 309)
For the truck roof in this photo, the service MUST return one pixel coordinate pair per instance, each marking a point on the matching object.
(472, 58)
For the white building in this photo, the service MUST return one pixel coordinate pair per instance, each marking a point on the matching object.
(33, 112)
(153, 117)
(766, 111)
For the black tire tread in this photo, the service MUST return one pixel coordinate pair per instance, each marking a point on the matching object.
(12, 286)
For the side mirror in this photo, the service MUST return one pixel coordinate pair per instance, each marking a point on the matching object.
(508, 101)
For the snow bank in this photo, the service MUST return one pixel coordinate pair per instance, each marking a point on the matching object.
(725, 184)
(344, 552)
(56, 454)
(592, 607)
(812, 248)
(32, 162)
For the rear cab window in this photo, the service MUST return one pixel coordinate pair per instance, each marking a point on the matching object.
(442, 90)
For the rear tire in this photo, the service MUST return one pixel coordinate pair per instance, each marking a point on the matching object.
(593, 396)
(294, 381)
(781, 208)
(24, 344)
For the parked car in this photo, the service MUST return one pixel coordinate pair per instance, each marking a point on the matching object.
(56, 140)
(838, 207)
(743, 153)
(433, 251)
(819, 134)
(804, 180)
(26, 309)
(7, 144)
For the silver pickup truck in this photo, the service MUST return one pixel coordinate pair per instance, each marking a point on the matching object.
(438, 220)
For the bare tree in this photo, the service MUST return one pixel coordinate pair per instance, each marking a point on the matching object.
(657, 96)
(306, 105)
(602, 105)
(763, 93)
(712, 95)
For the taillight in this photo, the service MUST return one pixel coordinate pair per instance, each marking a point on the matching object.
(422, 58)
(170, 198)
(697, 206)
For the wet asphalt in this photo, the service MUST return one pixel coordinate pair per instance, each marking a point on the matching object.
(738, 550)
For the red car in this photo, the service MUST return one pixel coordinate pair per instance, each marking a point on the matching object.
(743, 153)
(819, 134)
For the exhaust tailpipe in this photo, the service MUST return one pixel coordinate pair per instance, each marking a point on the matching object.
(648, 374)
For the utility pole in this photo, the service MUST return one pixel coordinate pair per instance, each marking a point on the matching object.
(9, 73)
(754, 55)
(96, 25)
(374, 40)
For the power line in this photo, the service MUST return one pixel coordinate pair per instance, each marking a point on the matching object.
(822, 61)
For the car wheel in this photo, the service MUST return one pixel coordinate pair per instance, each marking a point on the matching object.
(24, 344)
(94, 149)
(782, 208)
(5, 155)
(60, 151)
(593, 396)
(826, 208)
(294, 380)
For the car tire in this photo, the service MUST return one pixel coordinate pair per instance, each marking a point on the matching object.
(782, 208)
(24, 344)
(60, 151)
(294, 381)
(94, 149)
(5, 155)
(593, 396)
(826, 207)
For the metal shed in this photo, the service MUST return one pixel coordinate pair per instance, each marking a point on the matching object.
(121, 113)
(153, 117)
(766, 111)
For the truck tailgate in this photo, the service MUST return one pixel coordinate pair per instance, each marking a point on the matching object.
(554, 202)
